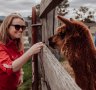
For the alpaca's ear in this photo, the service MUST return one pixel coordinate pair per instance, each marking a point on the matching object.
(64, 20)
(61, 28)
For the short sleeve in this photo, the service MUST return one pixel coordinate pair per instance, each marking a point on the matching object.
(5, 59)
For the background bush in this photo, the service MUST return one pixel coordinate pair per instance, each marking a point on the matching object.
(27, 79)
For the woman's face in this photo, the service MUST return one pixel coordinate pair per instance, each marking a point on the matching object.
(16, 28)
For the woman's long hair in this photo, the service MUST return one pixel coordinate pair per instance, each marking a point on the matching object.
(4, 36)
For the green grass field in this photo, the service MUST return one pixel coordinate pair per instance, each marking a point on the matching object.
(27, 79)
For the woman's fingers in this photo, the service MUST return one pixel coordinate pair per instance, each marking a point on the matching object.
(37, 47)
(40, 44)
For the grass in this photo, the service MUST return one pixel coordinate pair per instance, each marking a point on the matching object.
(27, 79)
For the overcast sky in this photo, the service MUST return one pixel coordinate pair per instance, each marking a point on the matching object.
(91, 4)
(25, 6)
(78, 3)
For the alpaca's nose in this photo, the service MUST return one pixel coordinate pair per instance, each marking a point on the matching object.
(50, 39)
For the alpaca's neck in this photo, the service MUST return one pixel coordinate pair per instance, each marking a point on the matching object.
(80, 47)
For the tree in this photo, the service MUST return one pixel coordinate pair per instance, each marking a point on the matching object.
(81, 12)
(62, 8)
(84, 14)
(83, 9)
(37, 12)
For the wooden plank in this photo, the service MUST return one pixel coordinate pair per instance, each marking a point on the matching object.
(47, 5)
(54, 73)
(50, 23)
(47, 27)
(55, 21)
(44, 31)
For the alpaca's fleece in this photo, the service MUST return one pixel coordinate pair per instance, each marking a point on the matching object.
(74, 40)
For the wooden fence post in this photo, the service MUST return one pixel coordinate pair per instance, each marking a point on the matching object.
(35, 83)
(52, 75)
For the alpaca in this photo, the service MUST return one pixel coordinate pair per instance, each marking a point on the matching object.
(74, 40)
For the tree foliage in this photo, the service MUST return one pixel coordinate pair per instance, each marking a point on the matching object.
(62, 8)
(84, 14)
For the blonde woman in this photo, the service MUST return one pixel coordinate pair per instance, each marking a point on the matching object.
(12, 57)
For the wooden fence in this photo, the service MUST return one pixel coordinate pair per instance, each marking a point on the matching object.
(52, 75)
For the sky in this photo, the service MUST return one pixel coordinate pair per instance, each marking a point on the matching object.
(91, 4)
(24, 7)
(78, 3)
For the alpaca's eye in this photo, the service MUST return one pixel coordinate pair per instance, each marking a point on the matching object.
(61, 34)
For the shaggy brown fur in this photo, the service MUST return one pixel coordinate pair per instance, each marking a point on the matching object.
(74, 40)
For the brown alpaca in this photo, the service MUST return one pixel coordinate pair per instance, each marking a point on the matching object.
(74, 41)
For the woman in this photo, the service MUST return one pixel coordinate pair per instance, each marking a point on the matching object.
(12, 57)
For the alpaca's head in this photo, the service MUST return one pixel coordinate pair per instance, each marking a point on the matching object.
(71, 35)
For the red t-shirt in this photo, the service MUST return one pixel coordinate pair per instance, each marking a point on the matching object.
(8, 79)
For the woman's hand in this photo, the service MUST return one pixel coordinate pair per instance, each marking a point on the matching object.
(36, 48)
(19, 62)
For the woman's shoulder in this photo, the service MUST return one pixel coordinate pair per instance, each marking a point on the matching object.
(2, 45)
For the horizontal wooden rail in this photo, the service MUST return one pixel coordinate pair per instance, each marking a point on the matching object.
(55, 76)
(47, 5)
